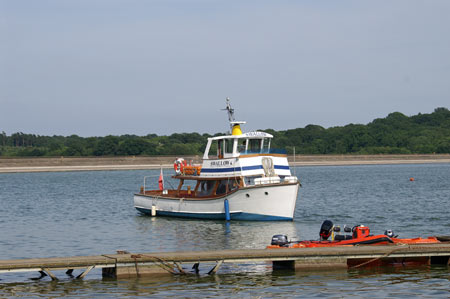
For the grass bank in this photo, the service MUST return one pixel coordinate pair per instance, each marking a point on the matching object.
(43, 164)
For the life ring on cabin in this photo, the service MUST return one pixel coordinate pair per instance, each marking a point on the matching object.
(179, 165)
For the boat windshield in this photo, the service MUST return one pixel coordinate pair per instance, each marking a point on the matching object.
(222, 148)
(214, 149)
(254, 145)
(242, 144)
(229, 146)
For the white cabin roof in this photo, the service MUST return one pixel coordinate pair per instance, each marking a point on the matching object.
(252, 135)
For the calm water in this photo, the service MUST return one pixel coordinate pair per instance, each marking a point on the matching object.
(91, 213)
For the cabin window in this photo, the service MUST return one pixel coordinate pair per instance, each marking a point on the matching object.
(220, 149)
(233, 184)
(249, 181)
(229, 146)
(222, 188)
(213, 150)
(242, 143)
(227, 186)
(266, 145)
(254, 145)
(206, 188)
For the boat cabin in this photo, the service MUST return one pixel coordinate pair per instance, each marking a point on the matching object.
(234, 161)
(232, 146)
(231, 162)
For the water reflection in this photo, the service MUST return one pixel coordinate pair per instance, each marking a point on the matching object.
(187, 234)
(425, 282)
(86, 213)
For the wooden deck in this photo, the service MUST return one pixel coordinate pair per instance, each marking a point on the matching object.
(142, 264)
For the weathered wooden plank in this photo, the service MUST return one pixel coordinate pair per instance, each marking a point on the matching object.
(56, 262)
(301, 256)
(292, 253)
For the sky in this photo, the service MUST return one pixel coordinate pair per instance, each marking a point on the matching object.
(113, 67)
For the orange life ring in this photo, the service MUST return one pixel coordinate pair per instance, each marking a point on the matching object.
(178, 165)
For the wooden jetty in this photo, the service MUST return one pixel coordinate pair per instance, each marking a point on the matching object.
(124, 264)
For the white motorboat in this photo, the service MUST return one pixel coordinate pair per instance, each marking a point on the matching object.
(241, 178)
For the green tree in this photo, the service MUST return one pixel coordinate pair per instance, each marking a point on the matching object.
(134, 147)
(107, 146)
(396, 133)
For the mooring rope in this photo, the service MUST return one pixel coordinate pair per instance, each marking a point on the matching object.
(383, 256)
(164, 264)
(158, 262)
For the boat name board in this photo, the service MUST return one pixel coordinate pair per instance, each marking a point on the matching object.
(221, 163)
(257, 134)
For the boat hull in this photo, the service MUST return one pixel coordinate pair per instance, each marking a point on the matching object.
(257, 203)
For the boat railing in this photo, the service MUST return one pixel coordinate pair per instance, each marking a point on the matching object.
(264, 151)
(165, 178)
(145, 179)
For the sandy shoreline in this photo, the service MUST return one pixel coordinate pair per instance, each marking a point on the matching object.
(39, 164)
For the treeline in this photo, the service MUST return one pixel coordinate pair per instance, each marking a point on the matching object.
(20, 144)
(395, 134)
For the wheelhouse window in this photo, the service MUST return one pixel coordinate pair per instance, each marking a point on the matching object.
(254, 145)
(266, 145)
(242, 145)
(220, 149)
(214, 149)
(229, 146)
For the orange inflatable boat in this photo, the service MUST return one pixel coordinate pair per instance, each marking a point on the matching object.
(330, 235)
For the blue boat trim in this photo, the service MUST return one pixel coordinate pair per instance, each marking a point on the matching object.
(232, 169)
(218, 216)
(286, 167)
(252, 167)
(244, 168)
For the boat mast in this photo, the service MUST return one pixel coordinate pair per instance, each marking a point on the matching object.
(230, 113)
(235, 128)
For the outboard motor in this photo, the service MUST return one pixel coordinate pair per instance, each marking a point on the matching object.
(280, 240)
(325, 230)
(389, 233)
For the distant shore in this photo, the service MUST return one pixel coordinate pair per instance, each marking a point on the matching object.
(45, 164)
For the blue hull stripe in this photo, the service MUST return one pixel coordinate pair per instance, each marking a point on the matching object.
(234, 169)
(285, 167)
(218, 216)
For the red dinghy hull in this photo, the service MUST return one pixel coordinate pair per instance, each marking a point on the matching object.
(371, 240)
(360, 236)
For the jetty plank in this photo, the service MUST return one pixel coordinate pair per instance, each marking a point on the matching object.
(53, 263)
(289, 253)
(326, 256)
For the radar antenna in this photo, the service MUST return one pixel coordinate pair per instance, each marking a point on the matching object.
(234, 125)
(230, 113)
